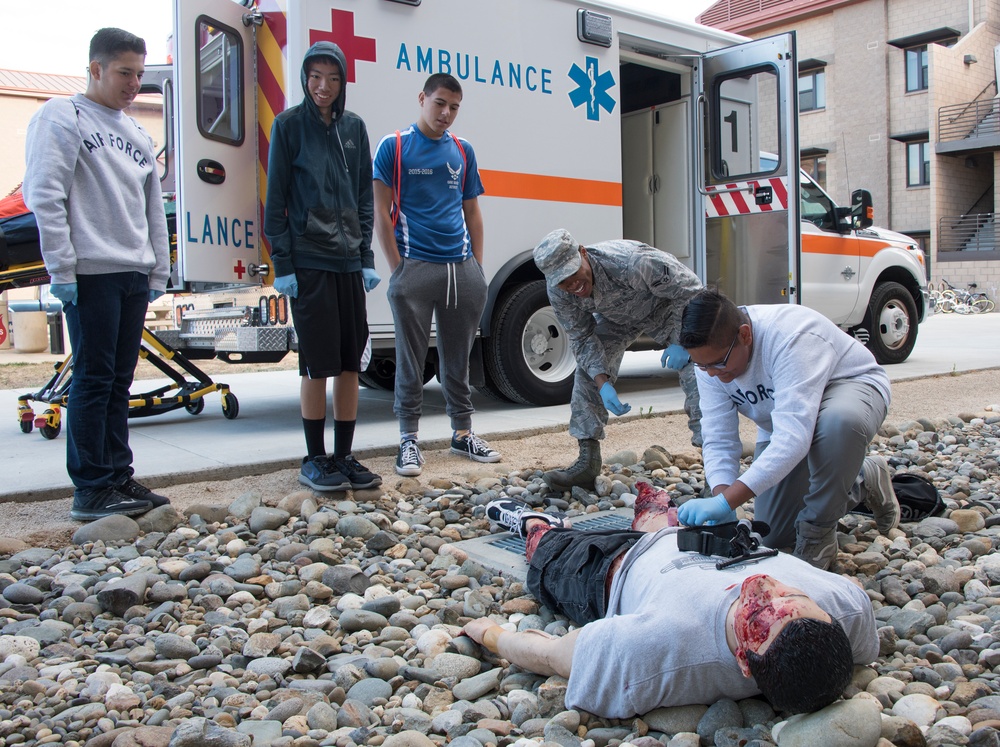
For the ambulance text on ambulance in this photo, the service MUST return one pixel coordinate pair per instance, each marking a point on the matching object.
(465, 66)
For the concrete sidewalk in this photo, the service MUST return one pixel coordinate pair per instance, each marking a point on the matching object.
(267, 435)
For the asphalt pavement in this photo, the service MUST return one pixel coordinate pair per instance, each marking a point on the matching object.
(267, 436)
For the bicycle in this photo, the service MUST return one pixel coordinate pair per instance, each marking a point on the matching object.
(964, 301)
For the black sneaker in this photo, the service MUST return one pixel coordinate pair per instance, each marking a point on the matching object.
(320, 473)
(409, 459)
(137, 490)
(475, 448)
(513, 515)
(357, 473)
(106, 502)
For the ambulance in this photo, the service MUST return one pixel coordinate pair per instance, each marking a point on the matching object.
(585, 115)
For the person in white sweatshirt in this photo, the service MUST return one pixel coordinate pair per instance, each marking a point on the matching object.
(817, 397)
(94, 188)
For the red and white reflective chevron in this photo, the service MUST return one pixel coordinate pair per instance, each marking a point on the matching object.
(742, 201)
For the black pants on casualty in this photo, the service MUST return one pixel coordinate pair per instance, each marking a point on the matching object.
(567, 572)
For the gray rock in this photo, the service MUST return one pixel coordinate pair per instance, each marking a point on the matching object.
(409, 719)
(23, 594)
(201, 732)
(477, 686)
(561, 735)
(261, 732)
(272, 666)
(173, 646)
(675, 718)
(356, 526)
(352, 621)
(322, 716)
(456, 665)
(908, 623)
(265, 517)
(244, 567)
(344, 579)
(110, 529)
(32, 556)
(243, 506)
(369, 690)
(722, 713)
(846, 723)
(285, 710)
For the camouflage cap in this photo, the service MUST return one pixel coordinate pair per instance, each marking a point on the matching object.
(558, 256)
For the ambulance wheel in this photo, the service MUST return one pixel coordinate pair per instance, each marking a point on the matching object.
(50, 431)
(27, 426)
(230, 406)
(529, 359)
(195, 407)
(381, 373)
(892, 323)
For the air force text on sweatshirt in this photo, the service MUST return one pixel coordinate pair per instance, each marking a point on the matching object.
(93, 185)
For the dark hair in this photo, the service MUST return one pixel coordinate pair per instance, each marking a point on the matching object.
(110, 42)
(709, 319)
(442, 80)
(807, 667)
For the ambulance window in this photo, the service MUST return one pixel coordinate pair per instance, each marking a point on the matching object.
(219, 81)
(747, 123)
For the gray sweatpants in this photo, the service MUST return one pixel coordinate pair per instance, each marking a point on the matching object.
(826, 484)
(588, 415)
(455, 295)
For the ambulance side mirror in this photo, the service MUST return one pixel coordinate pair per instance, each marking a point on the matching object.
(862, 210)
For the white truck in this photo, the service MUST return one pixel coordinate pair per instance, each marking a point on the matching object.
(586, 115)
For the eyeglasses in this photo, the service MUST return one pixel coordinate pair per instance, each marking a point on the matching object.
(725, 361)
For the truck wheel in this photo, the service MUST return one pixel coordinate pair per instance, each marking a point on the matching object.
(892, 322)
(529, 358)
(381, 373)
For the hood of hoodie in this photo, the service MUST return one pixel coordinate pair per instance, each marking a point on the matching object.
(325, 49)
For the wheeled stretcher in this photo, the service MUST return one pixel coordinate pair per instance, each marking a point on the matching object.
(21, 266)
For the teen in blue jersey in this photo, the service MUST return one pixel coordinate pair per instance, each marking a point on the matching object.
(428, 222)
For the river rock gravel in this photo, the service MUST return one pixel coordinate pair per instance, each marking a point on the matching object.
(300, 620)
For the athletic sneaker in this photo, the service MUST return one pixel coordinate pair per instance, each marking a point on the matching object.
(475, 448)
(513, 515)
(409, 459)
(357, 474)
(106, 502)
(877, 492)
(140, 492)
(320, 473)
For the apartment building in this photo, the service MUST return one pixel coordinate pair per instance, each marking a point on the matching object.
(899, 97)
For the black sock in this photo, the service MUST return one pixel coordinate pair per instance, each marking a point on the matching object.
(343, 437)
(315, 437)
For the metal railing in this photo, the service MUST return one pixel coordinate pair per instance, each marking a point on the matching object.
(971, 119)
(967, 233)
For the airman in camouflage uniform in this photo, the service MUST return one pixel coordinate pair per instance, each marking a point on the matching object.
(606, 296)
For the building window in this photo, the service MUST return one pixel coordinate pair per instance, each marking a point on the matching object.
(812, 90)
(918, 164)
(916, 68)
(815, 166)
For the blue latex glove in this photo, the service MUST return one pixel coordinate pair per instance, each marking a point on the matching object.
(611, 401)
(700, 511)
(153, 295)
(65, 292)
(371, 278)
(674, 357)
(287, 285)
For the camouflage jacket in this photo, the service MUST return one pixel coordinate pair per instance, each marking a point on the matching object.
(637, 289)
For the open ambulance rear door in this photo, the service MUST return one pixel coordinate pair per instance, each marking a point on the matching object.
(751, 226)
(218, 231)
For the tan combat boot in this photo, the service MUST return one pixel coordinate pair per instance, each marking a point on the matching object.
(582, 472)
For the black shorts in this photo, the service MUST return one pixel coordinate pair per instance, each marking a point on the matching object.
(568, 570)
(331, 322)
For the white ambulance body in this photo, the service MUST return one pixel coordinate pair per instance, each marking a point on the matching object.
(584, 115)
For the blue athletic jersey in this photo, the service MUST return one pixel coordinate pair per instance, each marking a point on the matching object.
(431, 225)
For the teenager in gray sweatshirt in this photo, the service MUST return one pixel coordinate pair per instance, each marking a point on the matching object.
(93, 185)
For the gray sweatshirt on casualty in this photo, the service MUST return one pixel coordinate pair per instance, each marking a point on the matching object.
(93, 186)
